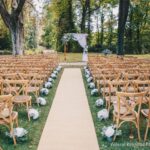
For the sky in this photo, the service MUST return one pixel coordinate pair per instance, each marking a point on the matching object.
(39, 5)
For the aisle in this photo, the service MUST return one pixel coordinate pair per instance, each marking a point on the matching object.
(69, 125)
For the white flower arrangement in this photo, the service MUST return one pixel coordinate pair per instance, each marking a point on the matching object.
(51, 80)
(87, 76)
(94, 92)
(44, 91)
(110, 131)
(53, 75)
(87, 72)
(99, 102)
(58, 68)
(18, 132)
(89, 79)
(41, 101)
(55, 72)
(103, 114)
(48, 85)
(91, 85)
(85, 67)
(33, 113)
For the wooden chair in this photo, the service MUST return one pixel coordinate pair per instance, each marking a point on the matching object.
(124, 109)
(20, 96)
(34, 84)
(7, 116)
(146, 113)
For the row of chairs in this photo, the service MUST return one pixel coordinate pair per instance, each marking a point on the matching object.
(19, 77)
(124, 85)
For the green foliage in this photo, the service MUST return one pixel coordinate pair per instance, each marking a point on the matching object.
(5, 38)
(137, 28)
(31, 39)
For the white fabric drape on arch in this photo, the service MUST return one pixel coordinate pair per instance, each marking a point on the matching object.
(82, 40)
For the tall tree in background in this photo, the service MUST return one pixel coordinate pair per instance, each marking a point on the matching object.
(123, 13)
(102, 27)
(14, 22)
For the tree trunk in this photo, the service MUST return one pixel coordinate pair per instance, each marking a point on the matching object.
(130, 49)
(83, 19)
(138, 40)
(102, 29)
(123, 13)
(89, 21)
(17, 41)
(14, 22)
(110, 30)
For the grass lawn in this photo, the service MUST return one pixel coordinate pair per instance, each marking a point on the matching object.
(34, 127)
(122, 142)
(77, 57)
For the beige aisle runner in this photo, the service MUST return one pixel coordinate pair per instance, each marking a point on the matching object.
(69, 125)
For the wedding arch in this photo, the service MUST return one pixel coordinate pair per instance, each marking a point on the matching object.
(81, 39)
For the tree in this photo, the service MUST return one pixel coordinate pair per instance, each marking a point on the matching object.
(123, 13)
(14, 22)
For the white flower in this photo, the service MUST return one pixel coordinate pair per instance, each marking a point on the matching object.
(18, 132)
(87, 76)
(41, 101)
(48, 85)
(55, 72)
(33, 113)
(109, 132)
(94, 92)
(85, 67)
(87, 72)
(59, 68)
(53, 75)
(99, 102)
(92, 85)
(44, 91)
(103, 114)
(89, 79)
(50, 80)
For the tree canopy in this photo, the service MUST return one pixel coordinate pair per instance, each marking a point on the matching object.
(119, 25)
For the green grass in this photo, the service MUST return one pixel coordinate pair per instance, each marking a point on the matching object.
(71, 57)
(123, 142)
(34, 127)
(77, 57)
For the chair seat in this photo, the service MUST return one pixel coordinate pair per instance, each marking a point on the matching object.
(14, 116)
(145, 112)
(21, 98)
(112, 98)
(36, 82)
(128, 117)
(106, 90)
(33, 89)
(129, 89)
(123, 108)
(11, 89)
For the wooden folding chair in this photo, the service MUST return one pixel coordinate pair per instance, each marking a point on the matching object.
(7, 116)
(124, 110)
(20, 96)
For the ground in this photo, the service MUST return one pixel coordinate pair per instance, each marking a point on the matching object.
(77, 57)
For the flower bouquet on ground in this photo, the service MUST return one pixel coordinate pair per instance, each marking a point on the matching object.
(109, 132)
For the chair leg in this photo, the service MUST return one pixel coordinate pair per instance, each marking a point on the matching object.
(145, 137)
(12, 133)
(138, 130)
(27, 105)
(117, 124)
